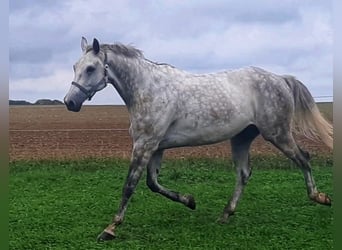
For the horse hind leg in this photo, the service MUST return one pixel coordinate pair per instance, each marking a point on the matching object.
(286, 144)
(152, 182)
(240, 145)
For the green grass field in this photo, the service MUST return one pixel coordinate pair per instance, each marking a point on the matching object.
(64, 205)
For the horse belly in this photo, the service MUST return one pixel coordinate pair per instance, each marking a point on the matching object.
(180, 136)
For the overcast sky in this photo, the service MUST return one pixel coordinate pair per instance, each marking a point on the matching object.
(285, 37)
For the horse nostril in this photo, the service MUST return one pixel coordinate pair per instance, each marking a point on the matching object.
(71, 105)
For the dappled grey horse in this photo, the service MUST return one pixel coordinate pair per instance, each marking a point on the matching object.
(171, 108)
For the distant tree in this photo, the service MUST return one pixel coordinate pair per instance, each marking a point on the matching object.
(48, 102)
(19, 102)
(38, 102)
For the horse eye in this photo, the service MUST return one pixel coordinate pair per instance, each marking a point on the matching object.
(90, 69)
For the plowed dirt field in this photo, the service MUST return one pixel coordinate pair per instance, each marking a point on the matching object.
(52, 132)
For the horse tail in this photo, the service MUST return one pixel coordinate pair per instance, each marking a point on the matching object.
(308, 119)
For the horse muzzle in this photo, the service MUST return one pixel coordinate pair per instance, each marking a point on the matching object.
(72, 105)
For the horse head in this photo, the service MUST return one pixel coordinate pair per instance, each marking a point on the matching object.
(90, 75)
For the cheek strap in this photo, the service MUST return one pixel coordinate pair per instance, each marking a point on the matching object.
(91, 92)
(97, 87)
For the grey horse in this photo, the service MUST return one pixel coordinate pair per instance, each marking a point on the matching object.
(171, 108)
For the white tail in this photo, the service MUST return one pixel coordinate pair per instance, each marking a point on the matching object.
(308, 119)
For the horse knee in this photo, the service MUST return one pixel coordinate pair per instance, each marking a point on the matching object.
(245, 174)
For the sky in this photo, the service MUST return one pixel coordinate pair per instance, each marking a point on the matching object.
(285, 37)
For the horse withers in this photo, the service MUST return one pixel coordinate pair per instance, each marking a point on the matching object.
(169, 107)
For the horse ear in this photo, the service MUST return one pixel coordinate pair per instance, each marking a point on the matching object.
(84, 44)
(96, 46)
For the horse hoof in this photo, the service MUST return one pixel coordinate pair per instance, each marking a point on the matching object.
(105, 236)
(323, 199)
(191, 202)
(224, 218)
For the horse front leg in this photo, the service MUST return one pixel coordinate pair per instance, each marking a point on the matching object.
(243, 172)
(140, 158)
(240, 145)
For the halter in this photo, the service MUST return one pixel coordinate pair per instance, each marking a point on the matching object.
(100, 85)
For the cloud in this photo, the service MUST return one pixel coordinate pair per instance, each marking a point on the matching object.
(290, 37)
(52, 85)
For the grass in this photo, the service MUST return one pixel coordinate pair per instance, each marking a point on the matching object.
(65, 204)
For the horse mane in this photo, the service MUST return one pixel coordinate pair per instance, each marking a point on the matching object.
(120, 49)
(126, 51)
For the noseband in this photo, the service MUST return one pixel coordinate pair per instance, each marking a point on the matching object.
(100, 85)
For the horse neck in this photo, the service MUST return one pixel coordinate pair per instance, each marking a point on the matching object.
(127, 77)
